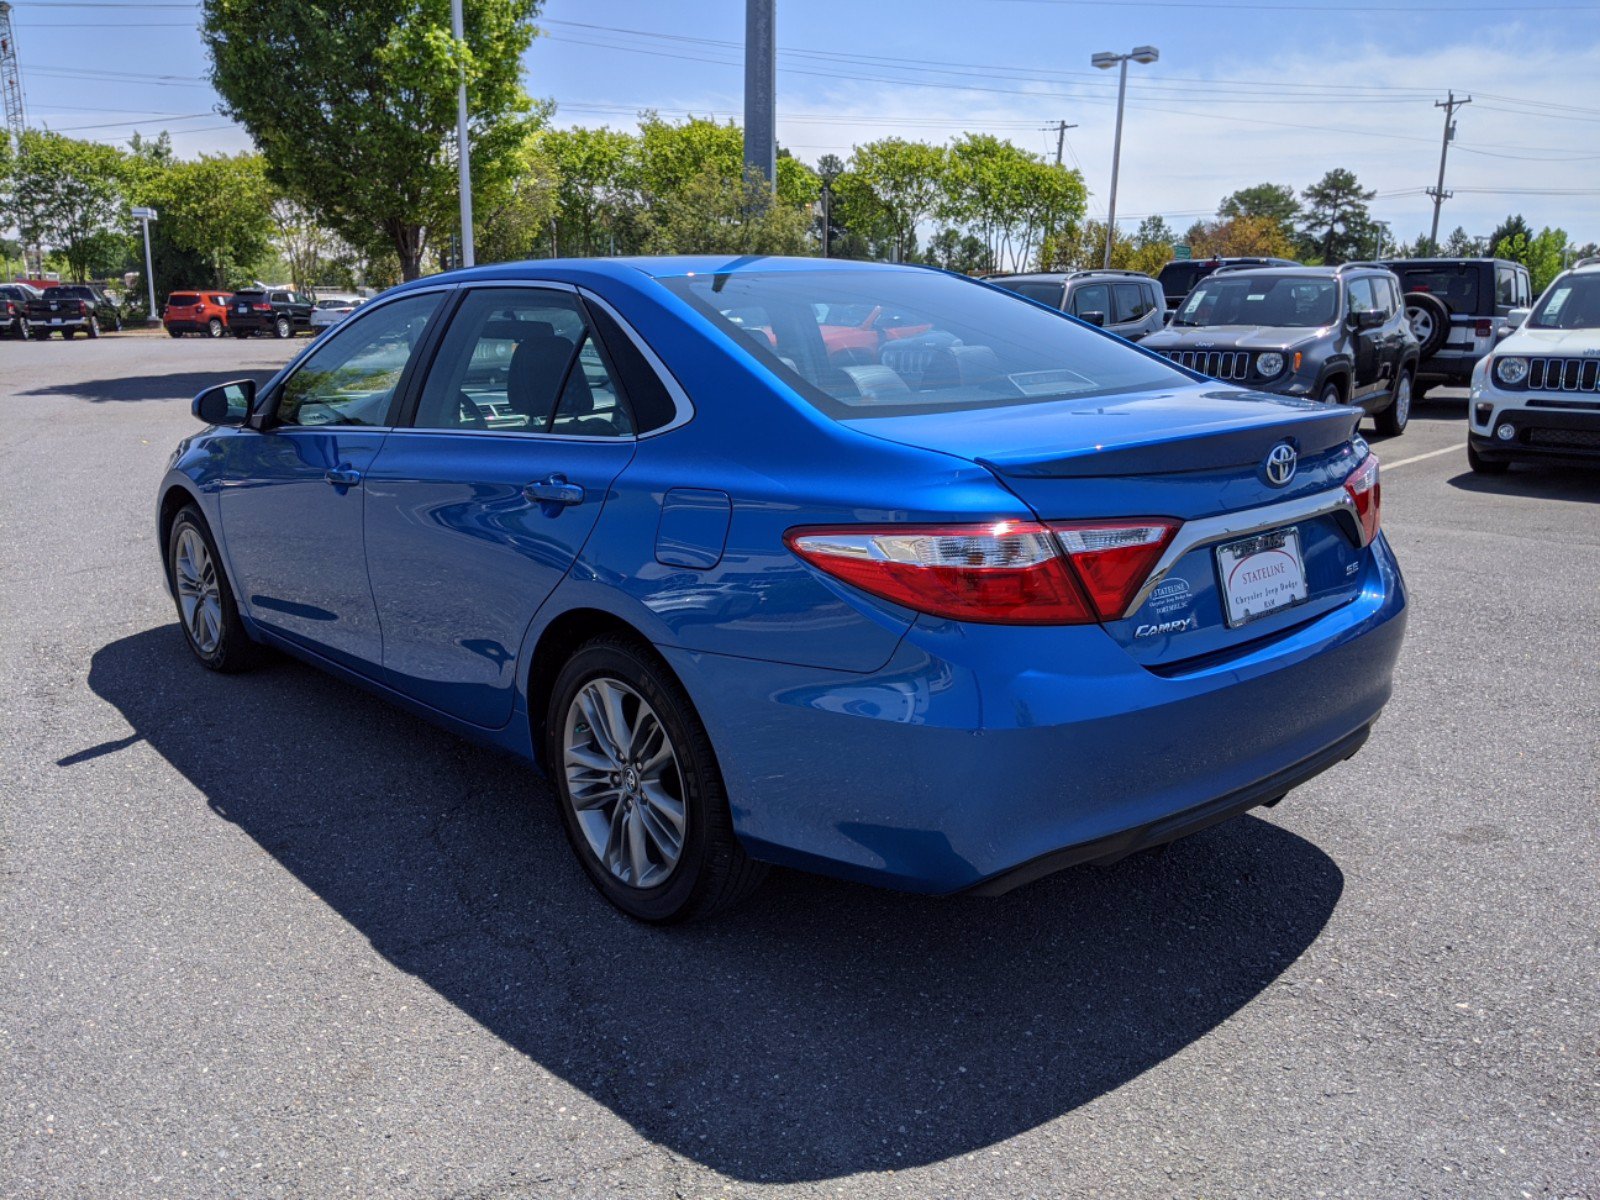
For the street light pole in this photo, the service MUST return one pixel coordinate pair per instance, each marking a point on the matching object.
(146, 215)
(1106, 60)
(463, 152)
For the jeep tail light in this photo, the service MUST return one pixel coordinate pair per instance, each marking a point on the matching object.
(1001, 572)
(1367, 493)
(1485, 328)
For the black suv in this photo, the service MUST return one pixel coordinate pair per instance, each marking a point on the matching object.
(1179, 276)
(278, 311)
(1457, 307)
(1338, 334)
(69, 308)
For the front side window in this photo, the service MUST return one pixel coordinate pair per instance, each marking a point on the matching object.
(1361, 296)
(1091, 298)
(522, 360)
(1571, 303)
(956, 345)
(351, 379)
(1276, 301)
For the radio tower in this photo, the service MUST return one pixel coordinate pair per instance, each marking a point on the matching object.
(11, 78)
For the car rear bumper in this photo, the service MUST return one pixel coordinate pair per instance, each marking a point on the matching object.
(252, 322)
(57, 321)
(1554, 436)
(200, 326)
(981, 757)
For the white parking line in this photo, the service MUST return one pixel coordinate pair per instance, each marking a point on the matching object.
(1400, 462)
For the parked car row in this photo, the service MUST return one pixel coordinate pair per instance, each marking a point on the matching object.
(28, 312)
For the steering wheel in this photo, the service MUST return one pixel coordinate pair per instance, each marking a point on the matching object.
(471, 418)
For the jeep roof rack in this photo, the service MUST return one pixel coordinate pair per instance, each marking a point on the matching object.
(1368, 266)
(1082, 271)
(1591, 261)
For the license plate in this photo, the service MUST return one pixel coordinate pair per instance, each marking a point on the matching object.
(244, 308)
(55, 320)
(1261, 574)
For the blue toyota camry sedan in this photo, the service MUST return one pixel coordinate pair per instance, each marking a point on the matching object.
(868, 570)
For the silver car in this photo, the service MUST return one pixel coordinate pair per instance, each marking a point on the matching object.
(1128, 303)
(332, 309)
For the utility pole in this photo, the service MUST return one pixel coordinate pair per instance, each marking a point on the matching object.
(1438, 193)
(1061, 128)
(760, 89)
(463, 150)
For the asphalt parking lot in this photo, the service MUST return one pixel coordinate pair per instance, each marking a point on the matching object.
(266, 936)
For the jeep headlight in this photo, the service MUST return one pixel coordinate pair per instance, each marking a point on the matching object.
(1270, 363)
(1511, 371)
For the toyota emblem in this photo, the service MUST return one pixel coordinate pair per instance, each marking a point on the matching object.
(1282, 462)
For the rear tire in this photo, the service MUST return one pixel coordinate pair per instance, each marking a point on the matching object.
(282, 328)
(1485, 466)
(1429, 320)
(177, 333)
(94, 327)
(207, 610)
(1392, 421)
(214, 327)
(624, 800)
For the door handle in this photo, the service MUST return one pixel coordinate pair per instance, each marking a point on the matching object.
(344, 475)
(553, 489)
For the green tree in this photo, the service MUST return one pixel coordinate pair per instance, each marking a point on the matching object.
(218, 207)
(706, 216)
(1335, 221)
(595, 187)
(514, 221)
(1460, 244)
(1511, 227)
(70, 196)
(891, 186)
(1274, 201)
(1012, 199)
(353, 104)
(955, 250)
(1544, 254)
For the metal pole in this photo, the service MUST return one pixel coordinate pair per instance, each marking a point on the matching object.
(760, 89)
(149, 272)
(463, 151)
(827, 217)
(1116, 161)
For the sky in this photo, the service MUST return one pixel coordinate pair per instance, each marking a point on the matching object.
(1243, 93)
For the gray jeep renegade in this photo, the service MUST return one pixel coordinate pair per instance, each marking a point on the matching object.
(1337, 334)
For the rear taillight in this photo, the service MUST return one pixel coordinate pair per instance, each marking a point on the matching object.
(1114, 558)
(1003, 572)
(83, 307)
(1367, 493)
(262, 307)
(1485, 328)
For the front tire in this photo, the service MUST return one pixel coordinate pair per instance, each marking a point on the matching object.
(1485, 466)
(177, 333)
(641, 796)
(1331, 394)
(1392, 421)
(207, 610)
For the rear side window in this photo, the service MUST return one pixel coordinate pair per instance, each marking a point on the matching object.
(1178, 278)
(1133, 301)
(183, 299)
(522, 360)
(1456, 287)
(1042, 290)
(647, 394)
(1505, 286)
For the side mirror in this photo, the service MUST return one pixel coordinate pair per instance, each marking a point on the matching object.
(1094, 318)
(1370, 319)
(226, 403)
(1514, 320)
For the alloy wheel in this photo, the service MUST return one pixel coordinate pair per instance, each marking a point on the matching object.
(199, 596)
(214, 327)
(624, 782)
(1421, 321)
(1402, 400)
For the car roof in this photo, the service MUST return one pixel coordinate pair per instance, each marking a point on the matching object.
(1064, 276)
(657, 267)
(1473, 260)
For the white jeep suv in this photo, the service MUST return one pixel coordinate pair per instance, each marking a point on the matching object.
(1536, 398)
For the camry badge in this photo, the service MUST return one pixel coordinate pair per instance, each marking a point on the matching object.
(1282, 462)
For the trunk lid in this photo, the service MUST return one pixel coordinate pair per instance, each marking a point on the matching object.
(1191, 454)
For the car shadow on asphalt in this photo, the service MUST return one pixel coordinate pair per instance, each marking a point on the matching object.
(1534, 482)
(174, 386)
(822, 1030)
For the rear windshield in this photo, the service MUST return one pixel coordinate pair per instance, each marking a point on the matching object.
(929, 342)
(1178, 278)
(183, 298)
(1456, 287)
(248, 293)
(1041, 290)
(1284, 301)
(75, 290)
(1571, 303)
